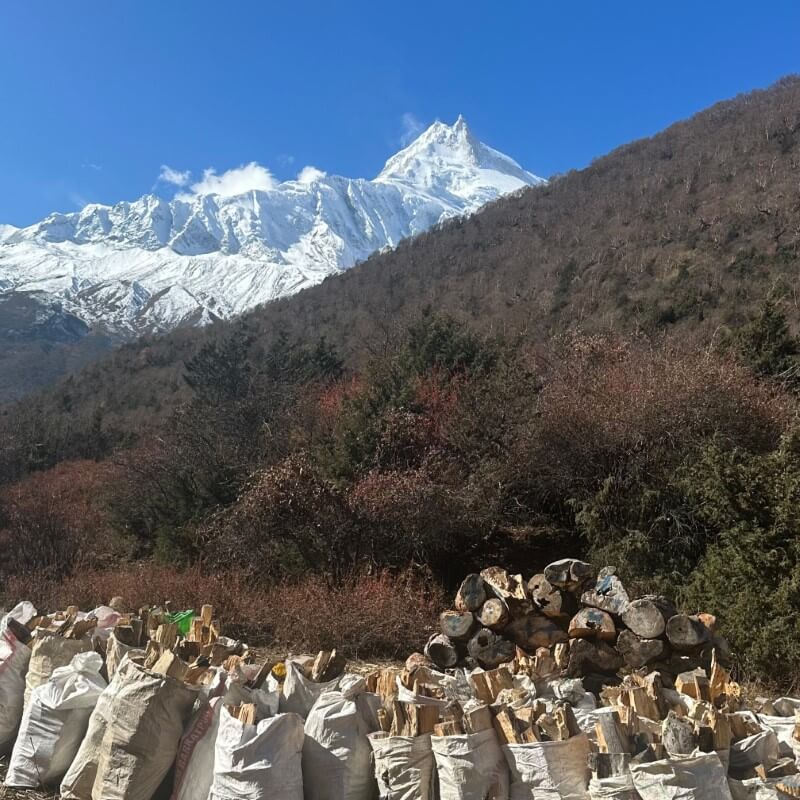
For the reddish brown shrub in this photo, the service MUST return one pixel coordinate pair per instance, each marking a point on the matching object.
(384, 615)
(51, 519)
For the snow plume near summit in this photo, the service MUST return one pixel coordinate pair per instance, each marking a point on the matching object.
(250, 177)
(232, 240)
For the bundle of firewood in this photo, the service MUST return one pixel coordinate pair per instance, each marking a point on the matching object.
(575, 621)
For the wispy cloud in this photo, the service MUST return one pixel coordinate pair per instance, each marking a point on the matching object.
(310, 174)
(90, 165)
(174, 176)
(411, 127)
(77, 199)
(238, 180)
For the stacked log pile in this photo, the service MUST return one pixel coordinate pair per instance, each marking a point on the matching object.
(586, 623)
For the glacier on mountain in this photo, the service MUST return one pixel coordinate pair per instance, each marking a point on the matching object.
(153, 264)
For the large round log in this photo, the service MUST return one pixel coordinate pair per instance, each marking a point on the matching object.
(550, 600)
(533, 631)
(686, 633)
(608, 594)
(441, 650)
(592, 623)
(489, 649)
(639, 652)
(587, 657)
(493, 614)
(568, 573)
(471, 594)
(645, 617)
(457, 624)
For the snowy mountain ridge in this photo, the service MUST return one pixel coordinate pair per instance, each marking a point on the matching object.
(153, 264)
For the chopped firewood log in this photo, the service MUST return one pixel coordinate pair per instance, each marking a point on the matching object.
(166, 635)
(263, 673)
(647, 617)
(561, 654)
(592, 623)
(609, 765)
(544, 663)
(608, 594)
(639, 652)
(245, 713)
(685, 682)
(151, 654)
(441, 650)
(384, 719)
(457, 625)
(641, 702)
(489, 649)
(487, 685)
(702, 688)
(721, 728)
(195, 673)
(549, 599)
(21, 633)
(612, 736)
(449, 728)
(718, 681)
(399, 720)
(187, 650)
(789, 785)
(568, 574)
(327, 665)
(471, 594)
(533, 630)
(170, 665)
(686, 633)
(547, 725)
(586, 656)
(564, 717)
(477, 717)
(506, 727)
(493, 614)
(196, 630)
(386, 683)
(677, 735)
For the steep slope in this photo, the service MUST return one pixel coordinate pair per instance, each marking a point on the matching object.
(684, 232)
(152, 264)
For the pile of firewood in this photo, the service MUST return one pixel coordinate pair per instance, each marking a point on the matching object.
(580, 623)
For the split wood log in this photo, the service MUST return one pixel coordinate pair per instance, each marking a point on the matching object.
(471, 594)
(327, 665)
(686, 633)
(489, 649)
(477, 717)
(641, 702)
(488, 684)
(586, 657)
(568, 573)
(441, 650)
(639, 652)
(550, 600)
(457, 625)
(493, 614)
(420, 719)
(608, 593)
(449, 728)
(416, 661)
(611, 734)
(592, 623)
(567, 725)
(561, 654)
(547, 726)
(677, 735)
(533, 631)
(721, 728)
(646, 617)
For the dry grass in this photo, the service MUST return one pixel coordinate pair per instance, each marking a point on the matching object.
(381, 616)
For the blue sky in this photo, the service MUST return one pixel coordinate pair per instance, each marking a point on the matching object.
(96, 97)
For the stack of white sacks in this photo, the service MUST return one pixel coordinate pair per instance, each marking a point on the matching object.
(144, 735)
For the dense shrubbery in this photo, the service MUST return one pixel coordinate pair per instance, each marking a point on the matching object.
(382, 615)
(454, 451)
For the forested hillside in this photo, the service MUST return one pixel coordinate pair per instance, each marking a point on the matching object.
(604, 367)
(684, 232)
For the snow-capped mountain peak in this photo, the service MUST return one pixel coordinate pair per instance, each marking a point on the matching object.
(153, 264)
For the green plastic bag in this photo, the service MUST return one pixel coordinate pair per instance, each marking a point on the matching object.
(183, 619)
